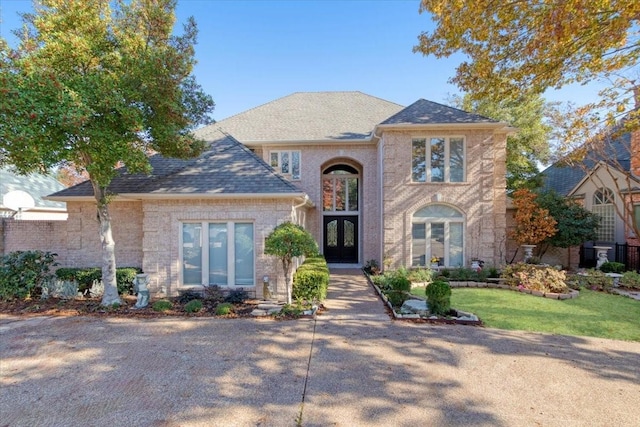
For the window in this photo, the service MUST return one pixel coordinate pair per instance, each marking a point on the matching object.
(636, 216)
(437, 159)
(227, 259)
(437, 234)
(286, 163)
(340, 189)
(603, 200)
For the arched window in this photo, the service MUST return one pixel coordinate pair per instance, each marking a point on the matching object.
(603, 200)
(340, 189)
(437, 236)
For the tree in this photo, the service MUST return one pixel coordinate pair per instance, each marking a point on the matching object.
(519, 48)
(288, 241)
(98, 83)
(527, 148)
(534, 224)
(575, 225)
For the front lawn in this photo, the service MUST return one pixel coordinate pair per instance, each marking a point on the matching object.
(593, 314)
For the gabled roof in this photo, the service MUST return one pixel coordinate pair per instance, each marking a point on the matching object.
(227, 168)
(424, 112)
(307, 116)
(36, 184)
(563, 179)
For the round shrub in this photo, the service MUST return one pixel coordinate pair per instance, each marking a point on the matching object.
(224, 308)
(193, 306)
(612, 267)
(162, 305)
(631, 279)
(535, 277)
(438, 297)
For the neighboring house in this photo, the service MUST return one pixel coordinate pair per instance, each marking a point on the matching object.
(37, 186)
(370, 179)
(604, 183)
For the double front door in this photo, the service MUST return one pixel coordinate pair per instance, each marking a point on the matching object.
(341, 239)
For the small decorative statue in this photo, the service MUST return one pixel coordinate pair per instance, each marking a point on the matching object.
(602, 258)
(140, 287)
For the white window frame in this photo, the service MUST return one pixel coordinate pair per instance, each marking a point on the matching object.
(231, 242)
(278, 165)
(333, 179)
(447, 158)
(606, 212)
(447, 221)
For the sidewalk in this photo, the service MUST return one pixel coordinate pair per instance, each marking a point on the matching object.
(351, 366)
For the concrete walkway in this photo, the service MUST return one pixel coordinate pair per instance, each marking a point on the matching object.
(352, 366)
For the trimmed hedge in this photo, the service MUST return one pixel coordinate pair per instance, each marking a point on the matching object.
(311, 280)
(438, 297)
(125, 277)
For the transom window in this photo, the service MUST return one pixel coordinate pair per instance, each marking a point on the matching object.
(437, 237)
(438, 159)
(286, 163)
(340, 189)
(603, 200)
(218, 253)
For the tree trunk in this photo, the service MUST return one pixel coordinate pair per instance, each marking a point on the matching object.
(110, 296)
(286, 266)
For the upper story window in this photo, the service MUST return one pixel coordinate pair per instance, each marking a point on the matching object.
(286, 163)
(603, 200)
(438, 159)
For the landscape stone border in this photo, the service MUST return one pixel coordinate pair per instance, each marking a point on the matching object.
(551, 295)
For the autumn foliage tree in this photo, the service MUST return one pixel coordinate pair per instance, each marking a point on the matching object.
(97, 84)
(533, 223)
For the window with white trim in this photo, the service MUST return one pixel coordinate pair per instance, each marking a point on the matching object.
(218, 253)
(286, 163)
(438, 159)
(437, 236)
(603, 200)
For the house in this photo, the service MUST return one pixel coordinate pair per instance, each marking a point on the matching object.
(37, 186)
(606, 182)
(370, 179)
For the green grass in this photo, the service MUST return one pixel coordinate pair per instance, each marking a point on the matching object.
(592, 314)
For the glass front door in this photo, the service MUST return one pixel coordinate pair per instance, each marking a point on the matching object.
(341, 239)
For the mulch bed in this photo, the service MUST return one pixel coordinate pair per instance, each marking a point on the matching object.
(92, 307)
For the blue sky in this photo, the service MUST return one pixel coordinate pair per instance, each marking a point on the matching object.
(252, 52)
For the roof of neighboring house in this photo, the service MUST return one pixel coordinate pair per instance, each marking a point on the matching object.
(428, 112)
(563, 178)
(36, 184)
(226, 168)
(308, 116)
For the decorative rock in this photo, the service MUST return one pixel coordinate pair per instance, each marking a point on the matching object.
(537, 293)
(414, 306)
(257, 312)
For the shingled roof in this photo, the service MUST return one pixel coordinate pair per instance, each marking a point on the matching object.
(308, 116)
(424, 112)
(227, 168)
(563, 178)
(36, 184)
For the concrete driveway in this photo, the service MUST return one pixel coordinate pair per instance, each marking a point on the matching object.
(352, 366)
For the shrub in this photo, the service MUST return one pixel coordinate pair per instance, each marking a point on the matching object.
(224, 308)
(213, 294)
(372, 268)
(22, 273)
(64, 289)
(162, 305)
(237, 296)
(630, 279)
(188, 296)
(125, 277)
(397, 287)
(438, 297)
(421, 275)
(612, 267)
(535, 277)
(311, 280)
(595, 280)
(193, 306)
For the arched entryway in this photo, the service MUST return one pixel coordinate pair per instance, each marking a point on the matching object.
(341, 212)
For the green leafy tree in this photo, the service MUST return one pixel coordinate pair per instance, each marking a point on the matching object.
(527, 148)
(288, 241)
(575, 225)
(99, 84)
